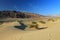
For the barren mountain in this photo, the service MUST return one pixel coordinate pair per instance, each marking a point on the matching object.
(17, 14)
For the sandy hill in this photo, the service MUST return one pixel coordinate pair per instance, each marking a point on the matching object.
(8, 32)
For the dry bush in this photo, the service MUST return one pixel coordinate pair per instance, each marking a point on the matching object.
(34, 22)
(42, 22)
(1, 22)
(34, 25)
(51, 20)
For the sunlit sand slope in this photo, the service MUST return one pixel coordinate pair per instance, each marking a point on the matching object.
(8, 32)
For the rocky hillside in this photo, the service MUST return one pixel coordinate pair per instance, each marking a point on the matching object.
(16, 14)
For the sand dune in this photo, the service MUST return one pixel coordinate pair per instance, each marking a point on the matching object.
(8, 32)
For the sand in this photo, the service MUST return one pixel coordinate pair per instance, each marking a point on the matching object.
(8, 32)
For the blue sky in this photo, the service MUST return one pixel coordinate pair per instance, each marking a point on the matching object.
(43, 7)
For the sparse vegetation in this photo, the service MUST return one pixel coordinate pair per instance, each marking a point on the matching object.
(42, 22)
(51, 20)
(34, 24)
(1, 22)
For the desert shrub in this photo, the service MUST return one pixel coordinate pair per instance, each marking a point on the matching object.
(1, 22)
(42, 22)
(34, 24)
(51, 20)
(31, 26)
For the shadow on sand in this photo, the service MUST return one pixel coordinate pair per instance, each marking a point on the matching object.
(22, 26)
(41, 28)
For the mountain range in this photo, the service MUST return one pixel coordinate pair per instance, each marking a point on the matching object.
(17, 14)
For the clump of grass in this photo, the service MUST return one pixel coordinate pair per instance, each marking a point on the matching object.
(34, 25)
(34, 22)
(1, 22)
(51, 20)
(42, 22)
